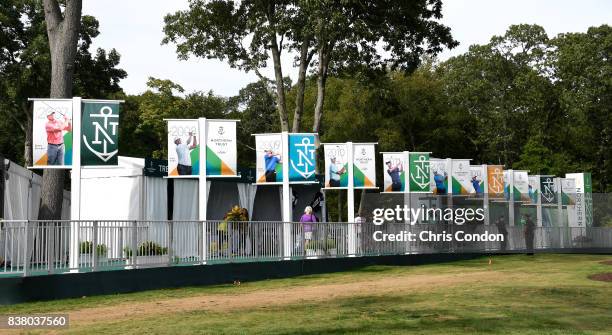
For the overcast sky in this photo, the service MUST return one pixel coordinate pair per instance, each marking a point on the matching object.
(134, 28)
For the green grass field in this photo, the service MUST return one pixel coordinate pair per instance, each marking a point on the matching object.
(544, 294)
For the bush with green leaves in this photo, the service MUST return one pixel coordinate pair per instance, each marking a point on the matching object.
(86, 248)
(147, 248)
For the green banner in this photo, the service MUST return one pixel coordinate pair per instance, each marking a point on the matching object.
(419, 172)
(99, 133)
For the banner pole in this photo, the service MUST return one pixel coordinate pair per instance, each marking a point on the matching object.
(511, 200)
(202, 189)
(287, 217)
(407, 200)
(2, 185)
(539, 202)
(75, 185)
(350, 198)
(485, 194)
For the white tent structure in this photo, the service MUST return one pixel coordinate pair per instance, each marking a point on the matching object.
(22, 194)
(122, 192)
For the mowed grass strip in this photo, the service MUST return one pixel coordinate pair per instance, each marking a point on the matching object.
(545, 294)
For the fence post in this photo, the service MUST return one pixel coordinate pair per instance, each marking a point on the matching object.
(134, 243)
(230, 239)
(26, 251)
(202, 229)
(170, 242)
(50, 228)
(94, 252)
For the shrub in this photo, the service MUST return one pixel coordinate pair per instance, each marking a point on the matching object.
(147, 248)
(86, 248)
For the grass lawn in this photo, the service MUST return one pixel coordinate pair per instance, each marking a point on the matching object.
(544, 294)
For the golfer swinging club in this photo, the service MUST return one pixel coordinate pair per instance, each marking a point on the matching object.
(394, 173)
(270, 161)
(55, 138)
(183, 152)
(335, 173)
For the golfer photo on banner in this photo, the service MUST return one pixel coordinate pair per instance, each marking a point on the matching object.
(52, 133)
(439, 169)
(270, 159)
(183, 148)
(336, 165)
(394, 165)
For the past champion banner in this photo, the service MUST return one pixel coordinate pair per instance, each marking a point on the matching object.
(52, 133)
(221, 148)
(477, 178)
(534, 188)
(270, 159)
(395, 165)
(364, 165)
(419, 175)
(336, 165)
(183, 148)
(439, 169)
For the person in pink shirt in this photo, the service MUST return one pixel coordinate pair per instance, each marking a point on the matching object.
(55, 139)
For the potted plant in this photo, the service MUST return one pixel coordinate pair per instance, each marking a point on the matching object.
(331, 247)
(238, 217)
(86, 253)
(311, 248)
(147, 252)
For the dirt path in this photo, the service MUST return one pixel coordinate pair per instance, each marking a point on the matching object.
(276, 297)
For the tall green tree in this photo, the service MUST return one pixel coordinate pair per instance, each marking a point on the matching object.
(582, 66)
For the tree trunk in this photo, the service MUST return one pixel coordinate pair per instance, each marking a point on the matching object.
(305, 58)
(63, 34)
(280, 85)
(321, 80)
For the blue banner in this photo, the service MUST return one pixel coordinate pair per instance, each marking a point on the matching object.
(302, 160)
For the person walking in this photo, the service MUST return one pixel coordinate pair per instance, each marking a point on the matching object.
(307, 220)
(501, 228)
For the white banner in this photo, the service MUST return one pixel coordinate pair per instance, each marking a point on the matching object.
(394, 165)
(521, 186)
(52, 133)
(461, 179)
(221, 148)
(183, 148)
(336, 165)
(364, 165)
(270, 158)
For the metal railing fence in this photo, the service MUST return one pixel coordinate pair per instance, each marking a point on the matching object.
(44, 247)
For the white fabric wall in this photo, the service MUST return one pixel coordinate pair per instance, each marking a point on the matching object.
(247, 193)
(22, 194)
(156, 199)
(112, 198)
(185, 202)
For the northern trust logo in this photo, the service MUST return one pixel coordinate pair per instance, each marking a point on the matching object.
(100, 126)
(420, 173)
(303, 157)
